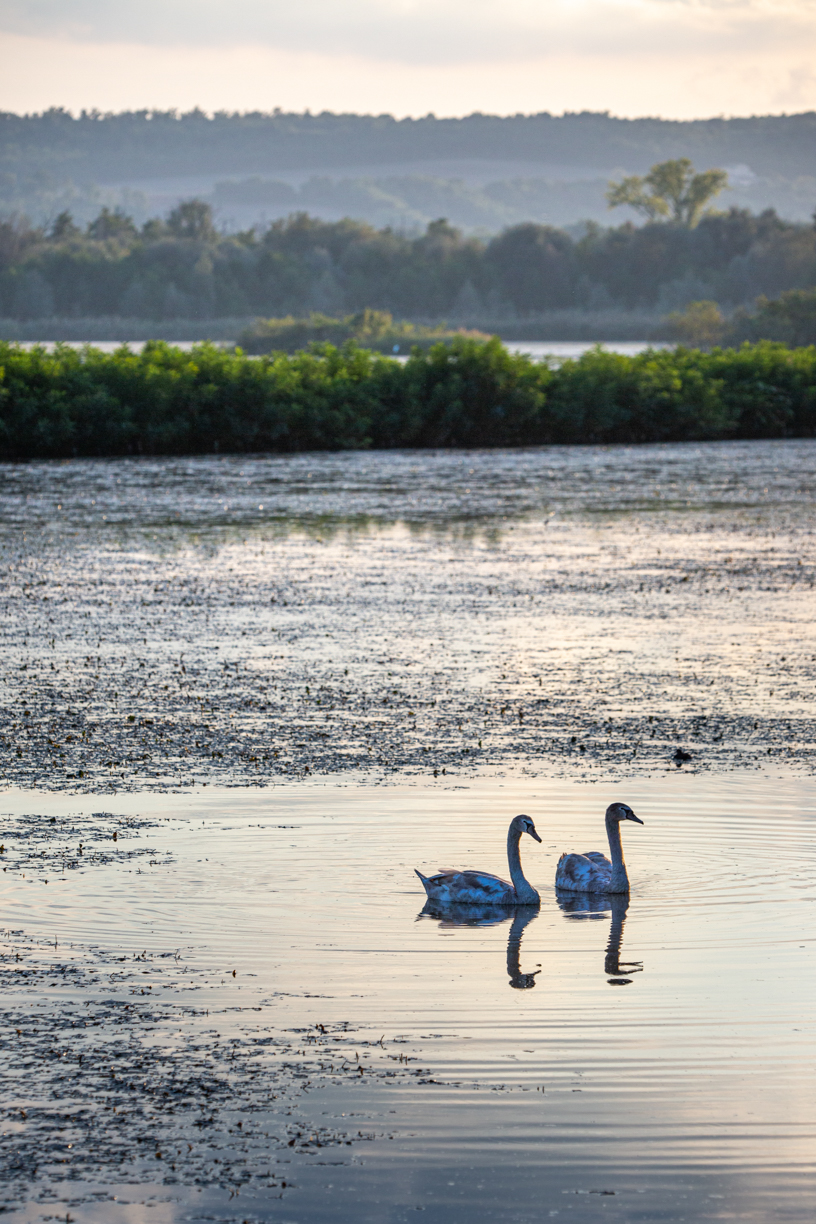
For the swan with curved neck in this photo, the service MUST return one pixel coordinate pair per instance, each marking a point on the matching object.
(593, 872)
(480, 888)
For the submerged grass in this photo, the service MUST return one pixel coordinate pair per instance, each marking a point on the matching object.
(465, 393)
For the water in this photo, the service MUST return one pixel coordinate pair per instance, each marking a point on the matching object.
(536, 348)
(491, 488)
(550, 610)
(105, 346)
(574, 348)
(375, 661)
(668, 1076)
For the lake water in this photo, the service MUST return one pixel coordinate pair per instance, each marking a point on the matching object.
(574, 348)
(243, 697)
(651, 1063)
(241, 619)
(535, 348)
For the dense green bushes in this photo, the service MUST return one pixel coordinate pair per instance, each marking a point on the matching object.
(371, 329)
(464, 393)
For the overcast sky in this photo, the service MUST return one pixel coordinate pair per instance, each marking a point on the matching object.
(675, 58)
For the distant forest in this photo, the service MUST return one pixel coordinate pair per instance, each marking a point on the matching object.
(108, 147)
(183, 268)
(483, 172)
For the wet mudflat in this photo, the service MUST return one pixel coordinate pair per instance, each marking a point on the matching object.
(242, 698)
(240, 620)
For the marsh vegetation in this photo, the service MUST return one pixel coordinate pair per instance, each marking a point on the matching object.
(464, 393)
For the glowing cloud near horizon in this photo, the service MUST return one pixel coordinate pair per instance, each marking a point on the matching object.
(670, 57)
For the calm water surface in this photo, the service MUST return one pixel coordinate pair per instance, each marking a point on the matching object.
(650, 1063)
(529, 620)
(535, 348)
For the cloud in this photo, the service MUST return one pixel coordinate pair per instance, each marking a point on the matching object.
(799, 90)
(680, 58)
(39, 73)
(429, 32)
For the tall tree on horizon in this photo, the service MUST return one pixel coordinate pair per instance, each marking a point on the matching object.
(671, 189)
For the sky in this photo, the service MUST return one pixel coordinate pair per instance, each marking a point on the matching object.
(673, 58)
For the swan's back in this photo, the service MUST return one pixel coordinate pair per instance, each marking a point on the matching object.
(586, 873)
(448, 888)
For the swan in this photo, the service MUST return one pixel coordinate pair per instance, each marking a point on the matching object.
(448, 888)
(593, 872)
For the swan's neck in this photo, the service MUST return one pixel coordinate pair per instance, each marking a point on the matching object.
(620, 880)
(524, 891)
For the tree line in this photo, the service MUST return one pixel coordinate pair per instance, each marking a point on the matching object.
(464, 393)
(150, 143)
(183, 267)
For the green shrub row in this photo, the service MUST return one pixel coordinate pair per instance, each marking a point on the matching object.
(458, 394)
(371, 329)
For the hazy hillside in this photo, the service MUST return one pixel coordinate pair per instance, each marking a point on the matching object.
(147, 144)
(412, 201)
(483, 172)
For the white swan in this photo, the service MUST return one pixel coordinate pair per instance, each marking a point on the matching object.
(593, 872)
(478, 887)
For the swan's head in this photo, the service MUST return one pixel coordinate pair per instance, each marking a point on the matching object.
(523, 824)
(621, 811)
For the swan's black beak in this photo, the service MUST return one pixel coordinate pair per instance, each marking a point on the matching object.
(533, 833)
(636, 819)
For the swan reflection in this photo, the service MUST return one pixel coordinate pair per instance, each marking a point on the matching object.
(492, 915)
(593, 905)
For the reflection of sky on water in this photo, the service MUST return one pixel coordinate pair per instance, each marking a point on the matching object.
(692, 1082)
(519, 918)
(366, 626)
(576, 905)
(538, 630)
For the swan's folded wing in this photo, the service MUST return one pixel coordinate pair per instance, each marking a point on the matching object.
(445, 875)
(595, 856)
(581, 872)
(470, 888)
(483, 879)
(471, 879)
